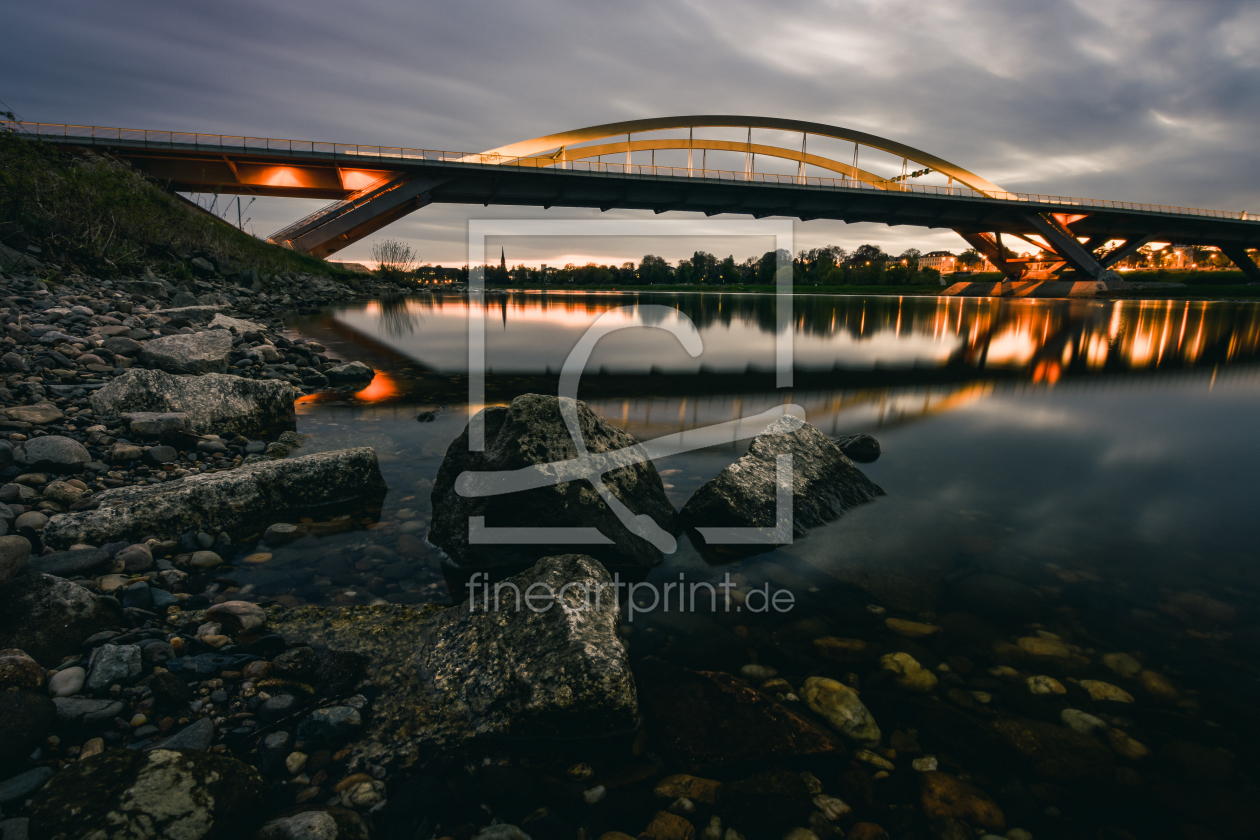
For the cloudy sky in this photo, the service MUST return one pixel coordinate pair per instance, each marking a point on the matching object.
(1144, 100)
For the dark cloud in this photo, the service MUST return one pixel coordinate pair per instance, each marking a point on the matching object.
(1145, 100)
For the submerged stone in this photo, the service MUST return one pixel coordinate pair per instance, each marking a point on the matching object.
(238, 501)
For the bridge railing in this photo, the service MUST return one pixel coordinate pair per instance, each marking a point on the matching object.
(98, 135)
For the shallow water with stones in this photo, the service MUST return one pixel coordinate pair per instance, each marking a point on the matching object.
(1076, 471)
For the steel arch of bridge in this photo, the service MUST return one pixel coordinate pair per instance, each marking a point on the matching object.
(554, 149)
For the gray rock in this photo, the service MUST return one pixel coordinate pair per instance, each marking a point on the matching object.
(307, 825)
(81, 562)
(51, 453)
(154, 423)
(354, 373)
(113, 664)
(23, 785)
(13, 553)
(86, 711)
(526, 674)
(239, 501)
(49, 617)
(183, 298)
(824, 483)
(214, 403)
(122, 346)
(328, 727)
(278, 707)
(132, 795)
(274, 749)
(31, 519)
(6, 454)
(530, 435)
(203, 352)
(198, 735)
(62, 492)
(281, 533)
(135, 558)
(15, 829)
(860, 448)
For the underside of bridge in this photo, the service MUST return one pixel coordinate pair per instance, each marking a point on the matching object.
(372, 187)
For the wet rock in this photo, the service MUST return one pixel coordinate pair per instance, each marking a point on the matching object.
(197, 736)
(17, 670)
(282, 533)
(86, 711)
(530, 436)
(1158, 685)
(48, 617)
(1038, 646)
(910, 674)
(62, 492)
(13, 553)
(860, 448)
(824, 483)
(168, 690)
(21, 786)
(237, 501)
(999, 599)
(202, 352)
(1125, 746)
(477, 673)
(910, 629)
(52, 453)
(845, 651)
(308, 825)
(710, 719)
(1042, 684)
(214, 403)
(130, 795)
(1053, 751)
(840, 705)
(67, 682)
(354, 373)
(1099, 690)
(1079, 721)
(26, 718)
(155, 423)
(944, 796)
(135, 558)
(691, 787)
(1122, 664)
(237, 616)
(81, 562)
(113, 664)
(329, 727)
(122, 346)
(39, 415)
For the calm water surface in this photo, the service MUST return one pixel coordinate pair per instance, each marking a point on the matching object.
(1103, 454)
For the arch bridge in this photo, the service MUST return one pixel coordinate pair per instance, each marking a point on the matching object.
(603, 167)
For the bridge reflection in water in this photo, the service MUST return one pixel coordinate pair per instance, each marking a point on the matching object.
(861, 362)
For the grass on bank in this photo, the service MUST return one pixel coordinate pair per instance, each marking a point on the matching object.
(96, 215)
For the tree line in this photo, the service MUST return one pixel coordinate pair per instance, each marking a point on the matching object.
(868, 265)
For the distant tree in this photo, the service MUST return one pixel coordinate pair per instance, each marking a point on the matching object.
(970, 258)
(704, 267)
(729, 272)
(393, 256)
(654, 270)
(910, 258)
(869, 254)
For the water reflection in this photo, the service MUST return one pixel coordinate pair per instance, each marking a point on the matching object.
(1040, 340)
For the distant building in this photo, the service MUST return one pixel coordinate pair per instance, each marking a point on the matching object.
(942, 261)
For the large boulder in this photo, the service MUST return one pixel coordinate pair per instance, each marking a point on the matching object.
(215, 403)
(554, 670)
(530, 436)
(201, 352)
(51, 453)
(824, 482)
(49, 617)
(240, 501)
(134, 795)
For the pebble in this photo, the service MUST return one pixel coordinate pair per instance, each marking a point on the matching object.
(910, 674)
(597, 793)
(295, 763)
(1041, 646)
(1099, 690)
(758, 673)
(21, 786)
(1125, 746)
(831, 807)
(257, 558)
(874, 759)
(840, 705)
(205, 560)
(1042, 684)
(925, 764)
(1122, 664)
(1081, 722)
(1159, 685)
(17, 670)
(1004, 671)
(910, 629)
(691, 787)
(67, 682)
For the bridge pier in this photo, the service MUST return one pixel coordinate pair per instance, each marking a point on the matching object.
(1239, 256)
